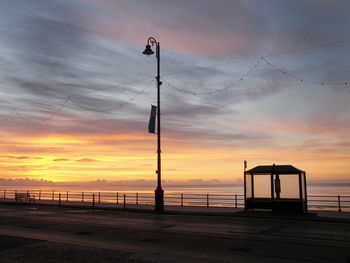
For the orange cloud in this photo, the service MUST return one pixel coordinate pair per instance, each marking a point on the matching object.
(86, 160)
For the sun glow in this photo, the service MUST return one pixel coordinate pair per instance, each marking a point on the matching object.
(133, 157)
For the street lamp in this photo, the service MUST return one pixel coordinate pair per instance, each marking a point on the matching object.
(159, 193)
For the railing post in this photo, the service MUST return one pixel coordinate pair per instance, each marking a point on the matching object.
(93, 200)
(53, 195)
(99, 197)
(59, 199)
(124, 206)
(339, 207)
(235, 200)
(67, 199)
(207, 200)
(137, 198)
(117, 198)
(4, 194)
(182, 199)
(82, 197)
(39, 194)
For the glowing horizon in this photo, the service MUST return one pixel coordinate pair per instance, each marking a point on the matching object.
(117, 159)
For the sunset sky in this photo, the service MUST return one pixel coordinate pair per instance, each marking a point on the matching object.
(262, 81)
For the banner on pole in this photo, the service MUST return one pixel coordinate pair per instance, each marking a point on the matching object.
(152, 120)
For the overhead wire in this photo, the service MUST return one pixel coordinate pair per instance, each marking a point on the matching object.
(241, 78)
(237, 80)
(57, 111)
(142, 91)
(332, 43)
(257, 57)
(7, 117)
(15, 110)
(284, 72)
(70, 99)
(21, 116)
(108, 110)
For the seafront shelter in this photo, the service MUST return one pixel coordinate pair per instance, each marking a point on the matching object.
(281, 188)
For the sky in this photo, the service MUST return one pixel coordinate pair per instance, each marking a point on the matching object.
(267, 82)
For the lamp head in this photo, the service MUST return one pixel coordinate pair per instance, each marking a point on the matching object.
(148, 51)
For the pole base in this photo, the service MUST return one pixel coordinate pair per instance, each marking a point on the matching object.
(159, 199)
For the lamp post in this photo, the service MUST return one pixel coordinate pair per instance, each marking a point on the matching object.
(159, 193)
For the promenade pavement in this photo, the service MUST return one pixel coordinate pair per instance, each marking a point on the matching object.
(42, 233)
(191, 210)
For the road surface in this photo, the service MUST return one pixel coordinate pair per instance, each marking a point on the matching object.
(61, 234)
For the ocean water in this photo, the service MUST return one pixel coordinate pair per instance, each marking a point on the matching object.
(312, 189)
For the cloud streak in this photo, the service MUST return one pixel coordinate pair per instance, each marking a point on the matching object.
(86, 160)
(20, 157)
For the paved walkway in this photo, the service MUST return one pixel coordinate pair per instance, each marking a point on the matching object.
(37, 233)
(192, 210)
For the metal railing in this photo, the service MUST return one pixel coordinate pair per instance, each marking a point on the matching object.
(123, 199)
(329, 202)
(208, 200)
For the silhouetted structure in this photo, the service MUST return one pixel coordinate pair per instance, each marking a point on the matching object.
(281, 188)
(159, 192)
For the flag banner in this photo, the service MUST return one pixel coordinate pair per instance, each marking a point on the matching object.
(152, 120)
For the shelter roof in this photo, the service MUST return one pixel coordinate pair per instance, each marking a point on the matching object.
(277, 169)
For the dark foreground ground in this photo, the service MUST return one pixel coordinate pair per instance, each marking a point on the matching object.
(61, 234)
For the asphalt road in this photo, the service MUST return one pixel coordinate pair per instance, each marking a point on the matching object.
(58, 234)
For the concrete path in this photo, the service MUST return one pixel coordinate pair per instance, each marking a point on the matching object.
(173, 209)
(64, 234)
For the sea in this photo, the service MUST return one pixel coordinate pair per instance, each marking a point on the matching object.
(312, 189)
